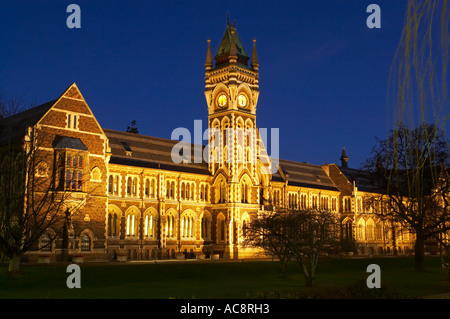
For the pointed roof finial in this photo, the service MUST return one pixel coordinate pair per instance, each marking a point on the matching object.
(208, 62)
(344, 158)
(233, 50)
(254, 63)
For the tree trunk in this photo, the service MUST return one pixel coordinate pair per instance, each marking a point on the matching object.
(14, 263)
(65, 244)
(309, 270)
(419, 251)
(283, 267)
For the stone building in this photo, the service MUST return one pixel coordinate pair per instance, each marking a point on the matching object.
(129, 197)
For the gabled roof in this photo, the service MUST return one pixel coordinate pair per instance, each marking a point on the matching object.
(152, 152)
(13, 128)
(304, 175)
(361, 179)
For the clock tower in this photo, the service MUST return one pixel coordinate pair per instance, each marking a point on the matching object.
(231, 91)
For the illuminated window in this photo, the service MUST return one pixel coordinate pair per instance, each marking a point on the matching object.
(187, 226)
(334, 204)
(132, 224)
(71, 169)
(347, 204)
(359, 204)
(170, 224)
(149, 225)
(314, 202)
(303, 201)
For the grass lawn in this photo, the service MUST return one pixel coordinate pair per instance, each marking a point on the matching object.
(223, 280)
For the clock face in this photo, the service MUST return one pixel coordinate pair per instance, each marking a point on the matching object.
(242, 100)
(222, 100)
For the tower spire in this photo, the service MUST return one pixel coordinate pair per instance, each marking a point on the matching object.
(208, 62)
(344, 158)
(233, 51)
(254, 63)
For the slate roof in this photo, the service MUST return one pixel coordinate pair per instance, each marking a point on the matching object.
(361, 179)
(152, 152)
(225, 44)
(13, 128)
(304, 175)
(69, 142)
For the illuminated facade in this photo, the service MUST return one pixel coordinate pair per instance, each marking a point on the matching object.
(142, 205)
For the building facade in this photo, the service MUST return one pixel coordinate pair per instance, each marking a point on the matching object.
(128, 197)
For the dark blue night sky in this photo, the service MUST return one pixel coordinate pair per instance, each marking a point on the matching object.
(323, 72)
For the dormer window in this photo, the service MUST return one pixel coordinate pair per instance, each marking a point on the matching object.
(126, 148)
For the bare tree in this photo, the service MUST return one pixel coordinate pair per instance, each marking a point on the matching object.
(407, 168)
(34, 197)
(259, 234)
(303, 235)
(10, 106)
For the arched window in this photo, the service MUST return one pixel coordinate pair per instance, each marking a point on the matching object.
(110, 184)
(369, 230)
(167, 189)
(132, 224)
(348, 230)
(85, 244)
(129, 185)
(172, 190)
(188, 191)
(113, 224)
(347, 204)
(147, 188)
(116, 184)
(378, 232)
(45, 243)
(221, 228)
(202, 192)
(134, 186)
(170, 224)
(359, 205)
(223, 190)
(187, 226)
(152, 188)
(149, 225)
(206, 226)
(244, 192)
(314, 202)
(183, 191)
